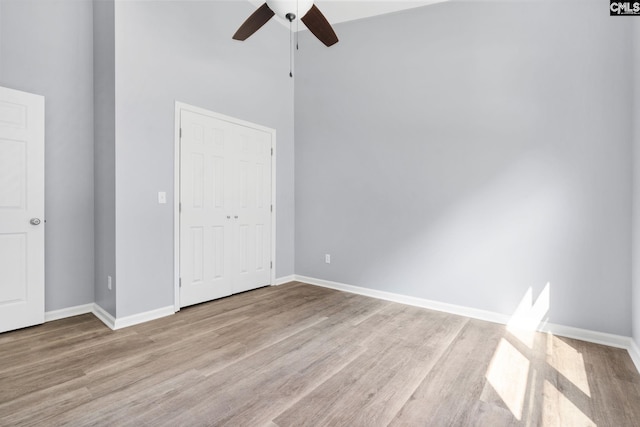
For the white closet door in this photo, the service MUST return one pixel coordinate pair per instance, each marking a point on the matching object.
(253, 209)
(205, 219)
(21, 209)
(225, 217)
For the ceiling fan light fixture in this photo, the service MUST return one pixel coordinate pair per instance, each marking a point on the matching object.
(299, 8)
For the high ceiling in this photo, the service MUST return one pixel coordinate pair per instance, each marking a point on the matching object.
(348, 10)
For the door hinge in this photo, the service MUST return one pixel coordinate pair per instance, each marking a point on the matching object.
(271, 208)
(272, 151)
(179, 206)
(271, 264)
(180, 282)
(180, 132)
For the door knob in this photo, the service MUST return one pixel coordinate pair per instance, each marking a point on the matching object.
(35, 221)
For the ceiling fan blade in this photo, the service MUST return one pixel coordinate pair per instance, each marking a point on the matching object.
(319, 26)
(254, 22)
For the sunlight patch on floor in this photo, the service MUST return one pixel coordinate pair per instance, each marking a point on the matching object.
(558, 410)
(560, 387)
(567, 361)
(508, 374)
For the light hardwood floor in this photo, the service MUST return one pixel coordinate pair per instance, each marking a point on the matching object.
(300, 355)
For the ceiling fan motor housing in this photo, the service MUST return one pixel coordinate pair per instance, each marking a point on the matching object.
(282, 8)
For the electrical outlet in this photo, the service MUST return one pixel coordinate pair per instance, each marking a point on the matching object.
(327, 258)
(162, 197)
(109, 282)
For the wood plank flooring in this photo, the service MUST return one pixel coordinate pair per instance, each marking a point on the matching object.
(301, 355)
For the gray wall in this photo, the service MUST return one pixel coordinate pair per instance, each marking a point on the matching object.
(46, 48)
(104, 152)
(636, 186)
(465, 152)
(167, 51)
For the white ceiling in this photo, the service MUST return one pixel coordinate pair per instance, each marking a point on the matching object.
(348, 10)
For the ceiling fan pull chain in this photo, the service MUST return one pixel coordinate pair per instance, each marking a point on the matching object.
(290, 17)
(290, 50)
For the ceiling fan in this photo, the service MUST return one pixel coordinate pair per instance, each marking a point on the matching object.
(289, 10)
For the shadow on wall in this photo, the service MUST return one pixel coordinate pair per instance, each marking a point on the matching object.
(505, 236)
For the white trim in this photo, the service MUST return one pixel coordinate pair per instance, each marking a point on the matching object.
(284, 279)
(273, 203)
(179, 107)
(404, 299)
(634, 352)
(213, 114)
(104, 316)
(595, 337)
(107, 318)
(134, 319)
(176, 209)
(611, 340)
(68, 312)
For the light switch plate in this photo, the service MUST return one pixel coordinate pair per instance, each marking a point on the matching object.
(162, 197)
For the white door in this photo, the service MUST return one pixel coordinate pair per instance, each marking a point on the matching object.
(225, 207)
(21, 209)
(252, 209)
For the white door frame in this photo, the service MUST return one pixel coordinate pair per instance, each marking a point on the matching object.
(181, 106)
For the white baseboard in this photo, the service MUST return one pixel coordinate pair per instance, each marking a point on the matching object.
(611, 340)
(565, 331)
(104, 316)
(107, 318)
(68, 312)
(284, 279)
(135, 319)
(634, 352)
(408, 300)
